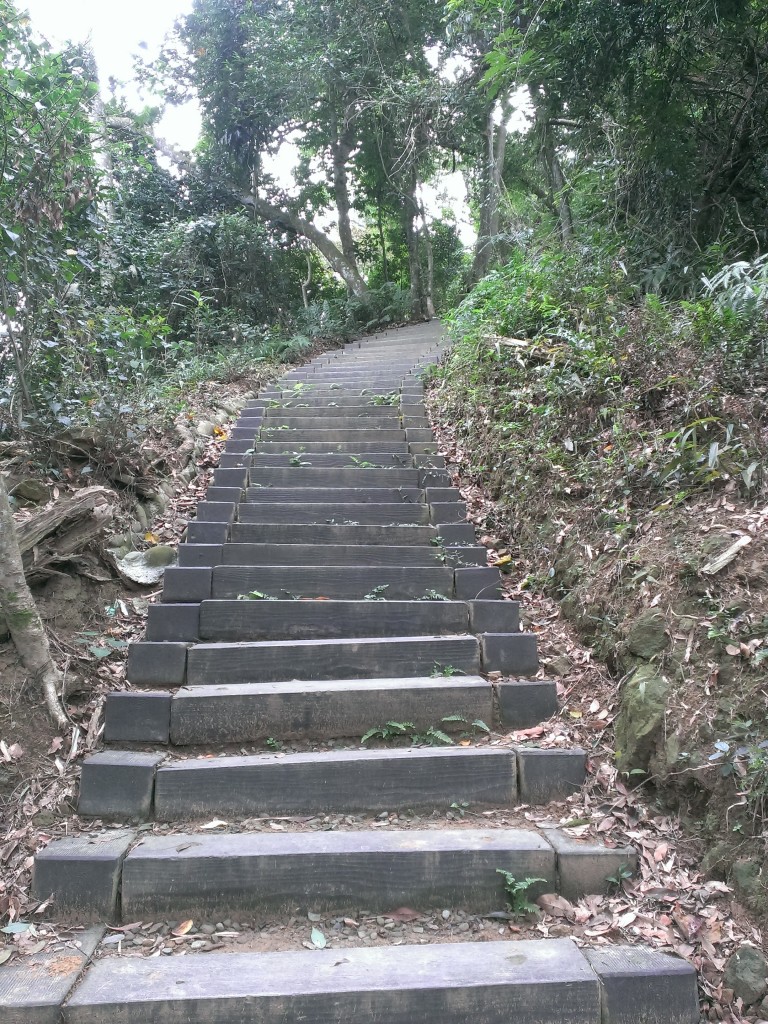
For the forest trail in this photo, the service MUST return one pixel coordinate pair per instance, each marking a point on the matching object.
(331, 587)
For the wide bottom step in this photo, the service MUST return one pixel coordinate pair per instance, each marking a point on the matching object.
(547, 981)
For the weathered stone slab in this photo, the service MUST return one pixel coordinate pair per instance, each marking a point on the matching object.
(335, 495)
(341, 513)
(186, 585)
(131, 717)
(456, 533)
(180, 622)
(297, 435)
(546, 775)
(329, 533)
(524, 703)
(352, 447)
(642, 984)
(82, 874)
(33, 988)
(333, 460)
(225, 494)
(240, 713)
(477, 583)
(321, 421)
(305, 620)
(235, 477)
(584, 865)
(118, 784)
(447, 512)
(331, 554)
(216, 511)
(510, 653)
(345, 780)
(199, 555)
(545, 981)
(345, 582)
(321, 476)
(494, 616)
(157, 664)
(272, 661)
(218, 876)
(207, 533)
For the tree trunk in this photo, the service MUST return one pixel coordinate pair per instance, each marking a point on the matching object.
(341, 150)
(336, 259)
(411, 211)
(553, 170)
(22, 617)
(491, 175)
(430, 290)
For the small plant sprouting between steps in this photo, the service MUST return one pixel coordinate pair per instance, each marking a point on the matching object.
(444, 670)
(623, 874)
(432, 736)
(433, 595)
(377, 594)
(516, 891)
(363, 463)
(256, 595)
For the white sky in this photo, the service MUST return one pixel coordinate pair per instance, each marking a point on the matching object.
(116, 31)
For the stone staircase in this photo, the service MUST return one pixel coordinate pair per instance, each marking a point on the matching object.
(331, 584)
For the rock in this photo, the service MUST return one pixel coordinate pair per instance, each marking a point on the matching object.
(160, 555)
(647, 636)
(640, 718)
(560, 666)
(205, 428)
(146, 567)
(31, 490)
(746, 973)
(717, 859)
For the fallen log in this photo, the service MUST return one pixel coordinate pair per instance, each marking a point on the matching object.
(61, 533)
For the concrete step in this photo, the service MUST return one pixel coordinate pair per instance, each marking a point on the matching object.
(331, 554)
(328, 533)
(336, 460)
(313, 710)
(279, 420)
(328, 479)
(339, 781)
(294, 436)
(307, 448)
(272, 661)
(120, 785)
(546, 981)
(332, 494)
(319, 408)
(309, 620)
(341, 513)
(213, 877)
(340, 582)
(328, 709)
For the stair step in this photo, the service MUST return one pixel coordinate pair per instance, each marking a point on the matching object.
(235, 553)
(328, 533)
(321, 710)
(287, 620)
(307, 448)
(348, 476)
(351, 513)
(217, 876)
(341, 781)
(351, 583)
(546, 981)
(298, 436)
(334, 495)
(281, 419)
(334, 460)
(272, 661)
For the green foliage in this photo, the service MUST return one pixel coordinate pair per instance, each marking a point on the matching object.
(516, 891)
(433, 736)
(743, 757)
